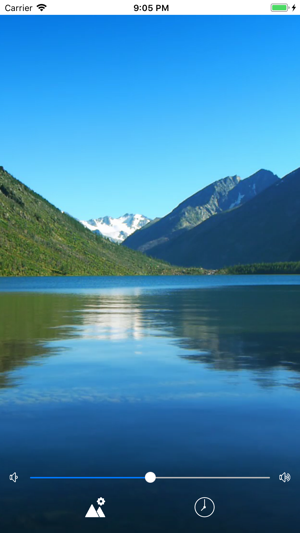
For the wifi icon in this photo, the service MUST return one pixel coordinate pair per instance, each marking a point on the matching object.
(41, 7)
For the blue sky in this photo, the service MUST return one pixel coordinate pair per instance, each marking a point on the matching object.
(107, 115)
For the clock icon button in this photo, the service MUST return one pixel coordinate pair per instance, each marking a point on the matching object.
(204, 507)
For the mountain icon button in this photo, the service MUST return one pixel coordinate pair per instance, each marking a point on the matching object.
(92, 513)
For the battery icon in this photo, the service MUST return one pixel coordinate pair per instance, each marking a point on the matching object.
(279, 8)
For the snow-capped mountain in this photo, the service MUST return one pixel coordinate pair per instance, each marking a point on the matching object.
(116, 229)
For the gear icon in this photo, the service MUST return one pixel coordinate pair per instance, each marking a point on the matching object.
(101, 501)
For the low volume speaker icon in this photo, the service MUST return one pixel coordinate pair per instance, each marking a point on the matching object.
(13, 477)
(284, 477)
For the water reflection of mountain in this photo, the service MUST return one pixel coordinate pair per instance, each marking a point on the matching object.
(28, 322)
(254, 328)
(245, 327)
(113, 318)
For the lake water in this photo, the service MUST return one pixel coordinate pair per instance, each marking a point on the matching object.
(181, 376)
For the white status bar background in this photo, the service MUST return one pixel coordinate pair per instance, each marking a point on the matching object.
(175, 7)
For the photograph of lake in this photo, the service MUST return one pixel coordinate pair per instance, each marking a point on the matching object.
(181, 376)
(150, 267)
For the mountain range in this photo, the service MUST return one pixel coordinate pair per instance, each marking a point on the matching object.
(237, 222)
(116, 229)
(37, 239)
(266, 229)
(222, 195)
(230, 222)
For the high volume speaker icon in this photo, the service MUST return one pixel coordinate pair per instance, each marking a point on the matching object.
(284, 477)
